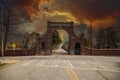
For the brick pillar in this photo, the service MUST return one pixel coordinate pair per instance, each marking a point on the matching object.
(71, 46)
(37, 46)
(82, 44)
(49, 42)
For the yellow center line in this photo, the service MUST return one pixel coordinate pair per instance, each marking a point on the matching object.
(72, 74)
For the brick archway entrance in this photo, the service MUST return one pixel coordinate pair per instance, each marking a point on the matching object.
(47, 38)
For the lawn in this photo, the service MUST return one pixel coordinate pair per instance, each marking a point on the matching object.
(2, 64)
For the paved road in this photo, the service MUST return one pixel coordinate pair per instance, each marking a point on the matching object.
(59, 67)
(60, 51)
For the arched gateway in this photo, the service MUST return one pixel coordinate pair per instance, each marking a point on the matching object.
(47, 38)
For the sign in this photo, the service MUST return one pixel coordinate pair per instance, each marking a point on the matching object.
(13, 46)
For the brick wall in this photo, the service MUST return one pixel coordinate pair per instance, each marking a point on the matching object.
(21, 52)
(97, 52)
(104, 52)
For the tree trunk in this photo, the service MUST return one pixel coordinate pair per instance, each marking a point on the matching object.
(7, 28)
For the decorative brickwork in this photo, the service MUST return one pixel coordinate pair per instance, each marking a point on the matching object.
(47, 39)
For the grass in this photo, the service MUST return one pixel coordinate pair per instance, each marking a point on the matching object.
(2, 64)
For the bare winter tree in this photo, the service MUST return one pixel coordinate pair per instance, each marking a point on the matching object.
(10, 17)
(4, 10)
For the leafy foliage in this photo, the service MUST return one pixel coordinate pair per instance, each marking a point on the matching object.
(56, 38)
(107, 38)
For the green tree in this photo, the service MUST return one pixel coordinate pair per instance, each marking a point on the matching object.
(34, 34)
(33, 37)
(101, 37)
(106, 38)
(112, 37)
(56, 39)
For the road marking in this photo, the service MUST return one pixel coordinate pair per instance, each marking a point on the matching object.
(99, 64)
(54, 63)
(72, 74)
(110, 60)
(40, 62)
(27, 63)
(44, 61)
(57, 63)
(70, 64)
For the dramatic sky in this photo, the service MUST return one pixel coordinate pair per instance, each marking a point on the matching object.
(101, 12)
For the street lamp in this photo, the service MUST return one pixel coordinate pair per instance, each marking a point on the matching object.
(91, 35)
(2, 34)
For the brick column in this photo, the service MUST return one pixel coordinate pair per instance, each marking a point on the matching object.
(71, 43)
(48, 48)
(37, 46)
(82, 44)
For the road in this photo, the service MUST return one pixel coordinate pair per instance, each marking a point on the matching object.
(60, 51)
(62, 67)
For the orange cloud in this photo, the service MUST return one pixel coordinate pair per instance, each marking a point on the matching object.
(31, 7)
(68, 15)
(99, 11)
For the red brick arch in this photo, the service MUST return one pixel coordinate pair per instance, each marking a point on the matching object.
(47, 38)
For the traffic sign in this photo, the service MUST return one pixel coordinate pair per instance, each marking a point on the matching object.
(13, 45)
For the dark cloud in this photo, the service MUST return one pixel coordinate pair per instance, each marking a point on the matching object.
(102, 11)
(89, 9)
(30, 7)
(5, 4)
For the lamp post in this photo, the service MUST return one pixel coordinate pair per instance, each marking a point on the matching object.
(2, 35)
(91, 36)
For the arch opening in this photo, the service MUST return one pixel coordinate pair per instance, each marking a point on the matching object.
(77, 49)
(43, 48)
(60, 42)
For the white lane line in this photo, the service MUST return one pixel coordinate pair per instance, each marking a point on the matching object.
(40, 63)
(54, 62)
(110, 60)
(99, 65)
(92, 64)
(97, 69)
(91, 69)
(56, 65)
(27, 63)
